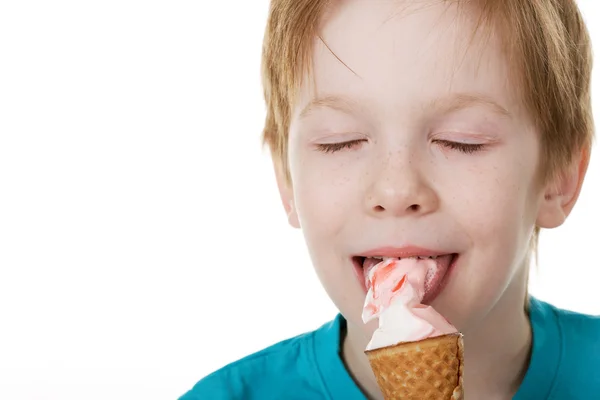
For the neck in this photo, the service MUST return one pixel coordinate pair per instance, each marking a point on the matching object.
(501, 337)
(504, 337)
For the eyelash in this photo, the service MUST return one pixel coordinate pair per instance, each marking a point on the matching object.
(335, 147)
(466, 148)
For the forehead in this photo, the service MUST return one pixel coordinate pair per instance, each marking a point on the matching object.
(405, 54)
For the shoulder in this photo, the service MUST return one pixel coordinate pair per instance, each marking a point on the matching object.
(581, 336)
(580, 333)
(269, 373)
(580, 352)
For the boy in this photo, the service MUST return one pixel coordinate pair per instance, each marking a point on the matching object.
(416, 128)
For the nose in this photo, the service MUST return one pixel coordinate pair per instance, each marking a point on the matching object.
(399, 189)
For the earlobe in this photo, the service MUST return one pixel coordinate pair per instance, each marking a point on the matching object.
(562, 193)
(293, 215)
(286, 194)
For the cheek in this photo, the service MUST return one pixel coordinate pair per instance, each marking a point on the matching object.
(499, 217)
(493, 213)
(493, 206)
(327, 199)
(499, 191)
(325, 195)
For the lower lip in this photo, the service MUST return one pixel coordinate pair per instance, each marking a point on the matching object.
(438, 281)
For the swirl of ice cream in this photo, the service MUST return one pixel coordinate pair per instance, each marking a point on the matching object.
(395, 291)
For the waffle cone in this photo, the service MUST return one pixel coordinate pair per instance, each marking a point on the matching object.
(429, 369)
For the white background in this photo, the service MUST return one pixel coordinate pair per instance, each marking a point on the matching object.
(142, 242)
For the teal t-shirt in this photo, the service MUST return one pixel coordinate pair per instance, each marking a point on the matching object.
(564, 365)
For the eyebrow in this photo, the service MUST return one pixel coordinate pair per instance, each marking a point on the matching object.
(340, 103)
(460, 101)
(444, 105)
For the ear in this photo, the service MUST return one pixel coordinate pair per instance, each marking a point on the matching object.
(561, 194)
(286, 193)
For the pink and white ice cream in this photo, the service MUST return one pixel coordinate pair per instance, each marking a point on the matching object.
(395, 291)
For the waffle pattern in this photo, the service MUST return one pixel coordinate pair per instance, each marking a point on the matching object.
(429, 369)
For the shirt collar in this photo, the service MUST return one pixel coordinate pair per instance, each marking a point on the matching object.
(543, 365)
(336, 380)
(546, 353)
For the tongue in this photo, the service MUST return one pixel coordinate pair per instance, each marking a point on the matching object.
(433, 267)
(369, 263)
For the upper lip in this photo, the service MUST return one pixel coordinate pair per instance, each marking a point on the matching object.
(402, 252)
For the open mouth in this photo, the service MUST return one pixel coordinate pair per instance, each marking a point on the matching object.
(435, 279)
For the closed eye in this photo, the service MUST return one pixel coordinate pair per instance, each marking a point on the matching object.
(334, 147)
(468, 148)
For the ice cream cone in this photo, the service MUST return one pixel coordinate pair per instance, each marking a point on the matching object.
(429, 369)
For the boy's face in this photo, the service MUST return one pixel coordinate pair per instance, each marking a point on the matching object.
(418, 140)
